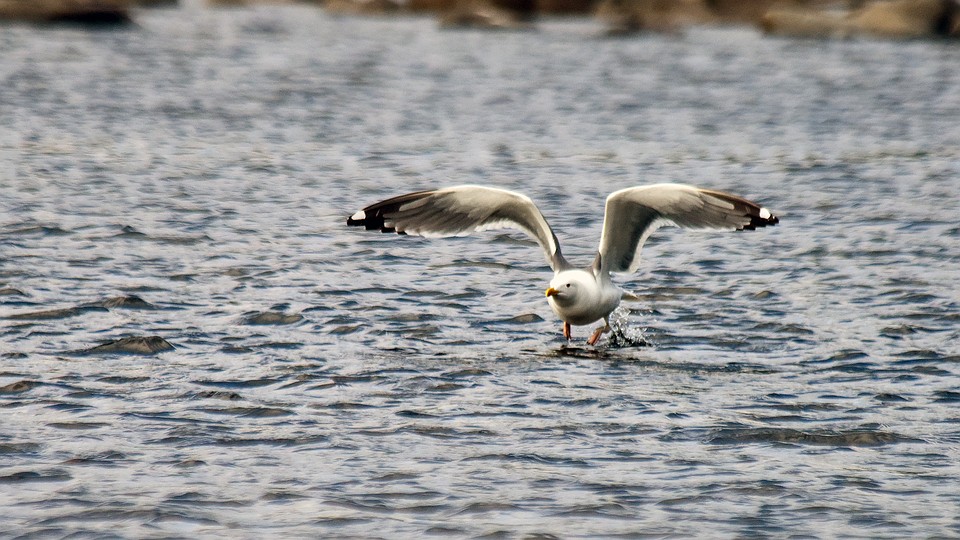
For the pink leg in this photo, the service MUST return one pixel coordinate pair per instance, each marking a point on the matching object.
(597, 333)
(566, 331)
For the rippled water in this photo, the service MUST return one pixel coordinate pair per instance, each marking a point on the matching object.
(185, 184)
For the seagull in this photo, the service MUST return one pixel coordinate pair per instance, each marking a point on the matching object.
(579, 296)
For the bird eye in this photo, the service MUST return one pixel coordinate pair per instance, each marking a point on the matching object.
(568, 285)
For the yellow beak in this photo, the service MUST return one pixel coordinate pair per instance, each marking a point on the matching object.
(552, 292)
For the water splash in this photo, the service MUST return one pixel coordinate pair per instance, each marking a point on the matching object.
(622, 334)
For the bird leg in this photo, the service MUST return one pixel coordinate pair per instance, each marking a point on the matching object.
(597, 333)
(566, 331)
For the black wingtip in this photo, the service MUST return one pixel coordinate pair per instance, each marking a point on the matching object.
(759, 220)
(374, 222)
(758, 215)
(372, 218)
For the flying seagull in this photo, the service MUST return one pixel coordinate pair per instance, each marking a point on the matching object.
(579, 296)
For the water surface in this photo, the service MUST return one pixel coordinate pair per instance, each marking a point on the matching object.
(186, 182)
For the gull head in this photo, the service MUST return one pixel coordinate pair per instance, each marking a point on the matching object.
(567, 287)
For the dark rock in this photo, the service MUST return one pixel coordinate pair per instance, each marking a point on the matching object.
(126, 302)
(97, 13)
(362, 7)
(10, 291)
(219, 394)
(893, 19)
(273, 317)
(34, 476)
(54, 313)
(485, 14)
(132, 345)
(18, 387)
(629, 16)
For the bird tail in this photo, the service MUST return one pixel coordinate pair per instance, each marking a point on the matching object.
(629, 296)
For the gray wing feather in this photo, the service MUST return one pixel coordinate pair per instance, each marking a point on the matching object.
(459, 211)
(633, 214)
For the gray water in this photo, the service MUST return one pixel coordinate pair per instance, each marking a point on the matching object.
(188, 180)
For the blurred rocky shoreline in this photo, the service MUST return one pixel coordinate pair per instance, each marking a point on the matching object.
(890, 19)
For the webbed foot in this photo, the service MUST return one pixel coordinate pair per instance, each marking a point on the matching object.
(595, 337)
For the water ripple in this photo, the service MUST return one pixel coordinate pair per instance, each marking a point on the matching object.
(193, 343)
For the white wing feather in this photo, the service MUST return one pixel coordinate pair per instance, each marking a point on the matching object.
(633, 214)
(460, 211)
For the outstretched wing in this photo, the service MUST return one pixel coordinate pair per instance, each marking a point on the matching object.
(633, 214)
(459, 211)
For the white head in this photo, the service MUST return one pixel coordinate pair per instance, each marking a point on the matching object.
(569, 286)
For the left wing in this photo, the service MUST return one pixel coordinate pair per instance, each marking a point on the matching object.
(633, 214)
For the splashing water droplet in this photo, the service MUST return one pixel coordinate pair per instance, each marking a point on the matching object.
(622, 334)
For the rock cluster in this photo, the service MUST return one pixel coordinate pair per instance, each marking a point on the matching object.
(84, 12)
(897, 19)
(808, 18)
(894, 19)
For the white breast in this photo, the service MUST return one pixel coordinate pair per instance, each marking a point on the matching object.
(589, 301)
